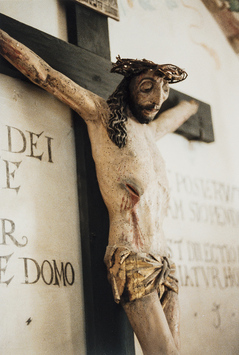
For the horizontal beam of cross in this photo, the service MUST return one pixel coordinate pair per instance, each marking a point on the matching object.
(93, 73)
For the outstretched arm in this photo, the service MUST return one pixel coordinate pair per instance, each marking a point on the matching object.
(173, 118)
(84, 102)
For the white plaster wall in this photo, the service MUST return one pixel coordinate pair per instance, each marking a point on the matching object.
(38, 202)
(203, 177)
(170, 31)
(41, 304)
(45, 15)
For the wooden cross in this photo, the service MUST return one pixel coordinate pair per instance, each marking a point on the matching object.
(87, 62)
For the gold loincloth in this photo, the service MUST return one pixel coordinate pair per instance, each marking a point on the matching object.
(134, 275)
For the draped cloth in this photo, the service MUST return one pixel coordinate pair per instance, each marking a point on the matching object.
(135, 275)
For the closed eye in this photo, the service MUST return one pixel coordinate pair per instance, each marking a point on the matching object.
(146, 86)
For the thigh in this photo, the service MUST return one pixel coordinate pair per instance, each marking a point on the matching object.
(171, 309)
(150, 325)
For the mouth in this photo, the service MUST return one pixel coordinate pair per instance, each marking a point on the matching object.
(151, 109)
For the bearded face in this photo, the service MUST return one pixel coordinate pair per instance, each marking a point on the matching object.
(147, 92)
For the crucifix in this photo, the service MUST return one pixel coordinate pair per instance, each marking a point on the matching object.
(89, 72)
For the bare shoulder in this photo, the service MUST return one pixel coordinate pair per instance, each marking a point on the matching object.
(92, 107)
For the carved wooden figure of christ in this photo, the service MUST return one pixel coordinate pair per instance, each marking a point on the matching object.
(131, 173)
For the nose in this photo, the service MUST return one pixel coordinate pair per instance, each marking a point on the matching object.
(158, 95)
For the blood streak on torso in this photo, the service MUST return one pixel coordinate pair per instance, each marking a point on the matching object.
(133, 184)
(134, 199)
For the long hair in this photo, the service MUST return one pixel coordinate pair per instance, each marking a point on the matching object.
(117, 103)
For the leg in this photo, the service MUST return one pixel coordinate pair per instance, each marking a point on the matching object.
(172, 313)
(150, 325)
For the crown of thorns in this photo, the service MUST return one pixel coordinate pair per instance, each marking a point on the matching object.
(132, 67)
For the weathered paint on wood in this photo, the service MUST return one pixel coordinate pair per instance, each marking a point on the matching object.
(106, 323)
(92, 71)
(107, 328)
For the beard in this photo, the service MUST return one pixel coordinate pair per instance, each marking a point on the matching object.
(144, 114)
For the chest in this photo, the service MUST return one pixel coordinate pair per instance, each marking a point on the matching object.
(138, 163)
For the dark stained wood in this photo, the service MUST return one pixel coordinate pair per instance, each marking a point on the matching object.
(105, 7)
(87, 62)
(199, 126)
(84, 67)
(107, 328)
(92, 71)
(92, 31)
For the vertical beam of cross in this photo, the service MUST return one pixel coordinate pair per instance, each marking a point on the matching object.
(107, 328)
(87, 62)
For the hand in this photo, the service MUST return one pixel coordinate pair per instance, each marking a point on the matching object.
(194, 106)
